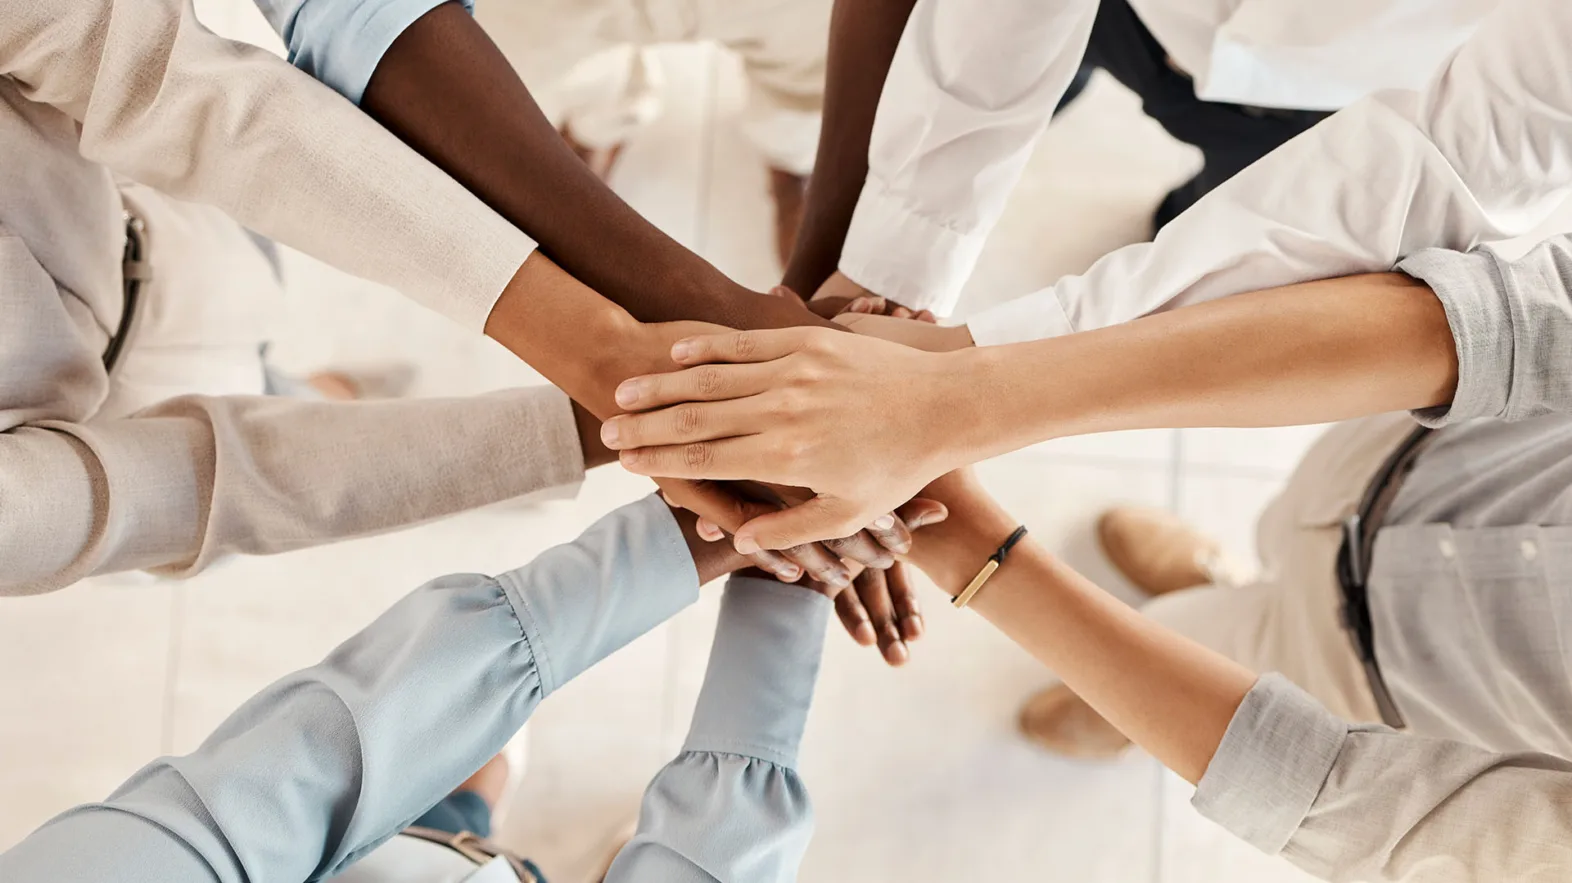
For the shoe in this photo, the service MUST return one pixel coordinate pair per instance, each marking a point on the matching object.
(1058, 721)
(789, 192)
(1160, 553)
(601, 160)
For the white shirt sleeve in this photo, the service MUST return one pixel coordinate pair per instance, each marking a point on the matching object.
(966, 98)
(1484, 153)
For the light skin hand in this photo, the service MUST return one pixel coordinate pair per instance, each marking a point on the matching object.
(788, 413)
(544, 315)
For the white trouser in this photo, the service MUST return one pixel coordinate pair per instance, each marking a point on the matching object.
(584, 60)
(1288, 620)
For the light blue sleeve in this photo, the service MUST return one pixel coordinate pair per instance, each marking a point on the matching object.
(731, 808)
(341, 42)
(326, 764)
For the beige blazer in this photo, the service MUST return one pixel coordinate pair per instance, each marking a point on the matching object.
(90, 88)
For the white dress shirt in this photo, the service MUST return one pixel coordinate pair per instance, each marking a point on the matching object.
(968, 95)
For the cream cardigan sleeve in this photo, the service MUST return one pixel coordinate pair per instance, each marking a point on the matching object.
(172, 487)
(165, 102)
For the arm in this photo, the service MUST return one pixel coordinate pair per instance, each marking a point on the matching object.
(863, 37)
(162, 101)
(1308, 353)
(404, 61)
(1484, 153)
(965, 100)
(446, 676)
(731, 808)
(181, 483)
(1273, 767)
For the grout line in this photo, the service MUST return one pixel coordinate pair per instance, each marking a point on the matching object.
(177, 629)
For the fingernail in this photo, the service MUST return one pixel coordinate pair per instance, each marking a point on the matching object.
(780, 291)
(914, 627)
(864, 635)
(790, 573)
(896, 654)
(902, 547)
(608, 433)
(884, 522)
(628, 393)
(747, 545)
(883, 562)
(681, 350)
(839, 578)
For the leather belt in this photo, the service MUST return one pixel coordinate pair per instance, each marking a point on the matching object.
(1353, 564)
(135, 271)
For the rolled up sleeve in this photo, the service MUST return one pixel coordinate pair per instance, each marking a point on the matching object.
(1369, 803)
(1511, 322)
(341, 42)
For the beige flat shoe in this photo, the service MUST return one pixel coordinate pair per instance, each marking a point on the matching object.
(1160, 553)
(1057, 720)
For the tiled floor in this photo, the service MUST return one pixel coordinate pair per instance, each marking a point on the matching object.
(917, 774)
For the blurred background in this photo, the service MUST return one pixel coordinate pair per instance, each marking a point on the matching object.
(917, 774)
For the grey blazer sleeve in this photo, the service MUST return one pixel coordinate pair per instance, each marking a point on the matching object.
(731, 807)
(326, 764)
(1512, 324)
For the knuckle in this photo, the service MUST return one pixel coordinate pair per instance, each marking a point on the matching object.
(745, 345)
(698, 454)
(686, 419)
(708, 381)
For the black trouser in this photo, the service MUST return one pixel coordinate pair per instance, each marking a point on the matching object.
(1229, 136)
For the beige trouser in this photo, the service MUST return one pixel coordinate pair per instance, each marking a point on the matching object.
(211, 303)
(585, 61)
(1287, 620)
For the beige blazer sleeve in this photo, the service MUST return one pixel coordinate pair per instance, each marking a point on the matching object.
(172, 487)
(167, 103)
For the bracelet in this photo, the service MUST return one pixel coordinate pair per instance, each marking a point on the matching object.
(992, 564)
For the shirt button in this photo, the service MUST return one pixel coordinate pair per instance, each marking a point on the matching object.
(1447, 549)
(1529, 550)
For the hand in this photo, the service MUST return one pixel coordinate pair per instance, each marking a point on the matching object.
(805, 398)
(840, 294)
(883, 609)
(921, 335)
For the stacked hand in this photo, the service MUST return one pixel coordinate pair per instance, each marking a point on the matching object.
(784, 407)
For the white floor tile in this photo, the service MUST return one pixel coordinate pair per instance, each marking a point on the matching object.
(82, 702)
(1194, 850)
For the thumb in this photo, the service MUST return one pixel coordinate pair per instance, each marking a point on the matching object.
(783, 291)
(821, 518)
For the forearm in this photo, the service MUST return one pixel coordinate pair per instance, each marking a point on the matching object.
(1308, 353)
(1170, 695)
(498, 143)
(863, 37)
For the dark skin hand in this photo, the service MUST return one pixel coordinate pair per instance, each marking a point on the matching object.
(446, 90)
(863, 37)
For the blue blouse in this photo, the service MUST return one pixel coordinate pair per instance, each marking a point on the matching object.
(323, 766)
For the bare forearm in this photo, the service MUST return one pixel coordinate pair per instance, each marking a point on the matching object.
(1169, 695)
(863, 37)
(1309, 353)
(448, 91)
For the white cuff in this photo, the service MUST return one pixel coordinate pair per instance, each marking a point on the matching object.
(1035, 316)
(896, 252)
